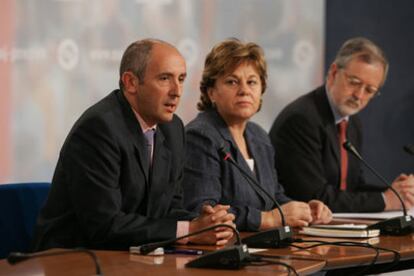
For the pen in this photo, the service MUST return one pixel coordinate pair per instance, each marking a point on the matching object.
(183, 251)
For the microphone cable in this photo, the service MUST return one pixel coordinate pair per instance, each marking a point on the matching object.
(17, 257)
(377, 250)
(227, 157)
(274, 237)
(149, 247)
(263, 260)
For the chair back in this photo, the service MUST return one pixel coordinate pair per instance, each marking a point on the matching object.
(20, 205)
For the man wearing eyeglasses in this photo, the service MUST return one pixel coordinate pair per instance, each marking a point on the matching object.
(308, 134)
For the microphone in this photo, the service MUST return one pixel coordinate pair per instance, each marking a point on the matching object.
(272, 238)
(393, 226)
(409, 149)
(230, 257)
(17, 257)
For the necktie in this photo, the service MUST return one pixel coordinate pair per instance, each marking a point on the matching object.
(344, 155)
(149, 136)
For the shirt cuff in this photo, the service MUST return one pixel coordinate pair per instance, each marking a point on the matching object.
(383, 198)
(183, 228)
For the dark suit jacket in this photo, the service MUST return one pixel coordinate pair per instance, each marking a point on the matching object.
(101, 195)
(210, 179)
(308, 159)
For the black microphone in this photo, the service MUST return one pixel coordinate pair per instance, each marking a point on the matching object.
(393, 226)
(230, 257)
(409, 149)
(17, 257)
(273, 238)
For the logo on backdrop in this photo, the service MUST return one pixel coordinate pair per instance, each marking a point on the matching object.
(68, 54)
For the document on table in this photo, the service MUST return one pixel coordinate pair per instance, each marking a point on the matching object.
(340, 231)
(380, 215)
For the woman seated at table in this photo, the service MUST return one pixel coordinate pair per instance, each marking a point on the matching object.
(233, 81)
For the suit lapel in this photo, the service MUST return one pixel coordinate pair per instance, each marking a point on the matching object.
(135, 134)
(329, 122)
(256, 149)
(160, 168)
(332, 134)
(230, 144)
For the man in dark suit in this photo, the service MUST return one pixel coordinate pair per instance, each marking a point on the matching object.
(308, 133)
(118, 179)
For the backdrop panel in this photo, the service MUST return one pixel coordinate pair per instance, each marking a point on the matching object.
(388, 119)
(57, 57)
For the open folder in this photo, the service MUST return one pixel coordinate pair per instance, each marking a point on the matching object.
(340, 231)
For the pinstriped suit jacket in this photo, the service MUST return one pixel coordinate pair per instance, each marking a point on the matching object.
(210, 179)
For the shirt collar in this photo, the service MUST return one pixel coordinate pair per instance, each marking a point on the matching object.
(144, 126)
(337, 116)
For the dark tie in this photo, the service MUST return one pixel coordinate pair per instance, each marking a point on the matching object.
(344, 155)
(149, 136)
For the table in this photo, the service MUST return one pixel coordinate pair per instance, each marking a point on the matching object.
(123, 263)
(327, 257)
(345, 257)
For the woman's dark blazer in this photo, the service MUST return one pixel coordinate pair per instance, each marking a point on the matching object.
(208, 178)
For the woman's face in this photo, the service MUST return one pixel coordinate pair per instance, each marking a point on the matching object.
(237, 94)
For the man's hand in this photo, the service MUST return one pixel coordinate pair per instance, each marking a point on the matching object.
(320, 212)
(210, 216)
(404, 185)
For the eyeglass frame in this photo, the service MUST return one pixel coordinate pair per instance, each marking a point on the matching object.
(356, 83)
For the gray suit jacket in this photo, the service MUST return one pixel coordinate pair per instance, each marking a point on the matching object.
(308, 157)
(102, 195)
(208, 178)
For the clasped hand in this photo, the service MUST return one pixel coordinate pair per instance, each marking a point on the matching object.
(210, 216)
(404, 186)
(297, 214)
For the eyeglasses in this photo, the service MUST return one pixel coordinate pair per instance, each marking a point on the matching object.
(355, 83)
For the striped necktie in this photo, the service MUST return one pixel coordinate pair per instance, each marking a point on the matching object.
(149, 136)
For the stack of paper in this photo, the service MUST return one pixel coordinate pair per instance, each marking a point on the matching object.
(340, 231)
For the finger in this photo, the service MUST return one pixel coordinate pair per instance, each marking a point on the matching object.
(207, 209)
(317, 210)
(306, 214)
(220, 215)
(407, 184)
(226, 222)
(327, 215)
(301, 223)
(219, 207)
(224, 235)
(318, 221)
(222, 242)
(409, 198)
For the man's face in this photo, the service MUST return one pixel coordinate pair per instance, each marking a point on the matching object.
(158, 95)
(354, 86)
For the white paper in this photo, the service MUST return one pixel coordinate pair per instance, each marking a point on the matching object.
(380, 215)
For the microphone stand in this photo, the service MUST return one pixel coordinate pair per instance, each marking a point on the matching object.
(273, 238)
(393, 226)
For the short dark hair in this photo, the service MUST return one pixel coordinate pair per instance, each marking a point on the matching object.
(223, 58)
(135, 58)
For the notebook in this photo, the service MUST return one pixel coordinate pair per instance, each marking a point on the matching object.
(340, 231)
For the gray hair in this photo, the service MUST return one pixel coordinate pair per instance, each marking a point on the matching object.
(363, 49)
